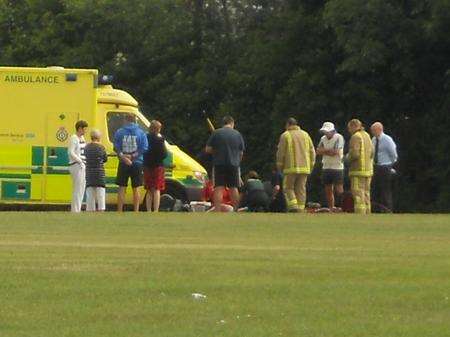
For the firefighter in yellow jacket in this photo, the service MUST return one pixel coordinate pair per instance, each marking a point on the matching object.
(360, 158)
(295, 158)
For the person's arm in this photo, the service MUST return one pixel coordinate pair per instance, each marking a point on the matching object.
(341, 148)
(142, 145)
(322, 151)
(374, 144)
(244, 188)
(242, 147)
(71, 150)
(165, 151)
(312, 153)
(210, 144)
(392, 150)
(275, 190)
(327, 152)
(354, 151)
(276, 185)
(320, 148)
(104, 155)
(118, 139)
(281, 153)
(336, 151)
(372, 151)
(338, 148)
(118, 143)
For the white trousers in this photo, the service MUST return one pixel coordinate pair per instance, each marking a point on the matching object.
(78, 174)
(95, 196)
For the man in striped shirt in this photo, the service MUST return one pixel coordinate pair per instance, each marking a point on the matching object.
(77, 165)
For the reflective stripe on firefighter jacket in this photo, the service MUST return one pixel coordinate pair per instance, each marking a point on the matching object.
(296, 154)
(360, 155)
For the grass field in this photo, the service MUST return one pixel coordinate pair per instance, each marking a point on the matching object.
(263, 275)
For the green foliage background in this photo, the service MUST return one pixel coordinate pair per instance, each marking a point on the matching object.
(262, 61)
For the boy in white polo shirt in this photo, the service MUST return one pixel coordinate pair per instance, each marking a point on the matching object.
(331, 148)
(77, 165)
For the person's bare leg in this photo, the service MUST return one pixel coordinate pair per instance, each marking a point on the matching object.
(330, 196)
(156, 200)
(339, 191)
(217, 198)
(136, 199)
(121, 198)
(234, 196)
(149, 200)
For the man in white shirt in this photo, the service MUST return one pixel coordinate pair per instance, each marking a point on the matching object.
(77, 165)
(385, 157)
(331, 148)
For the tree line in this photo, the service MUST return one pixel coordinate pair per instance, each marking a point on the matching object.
(263, 61)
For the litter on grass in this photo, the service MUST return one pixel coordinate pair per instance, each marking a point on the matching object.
(198, 296)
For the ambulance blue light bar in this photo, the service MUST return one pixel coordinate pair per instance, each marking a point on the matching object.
(105, 79)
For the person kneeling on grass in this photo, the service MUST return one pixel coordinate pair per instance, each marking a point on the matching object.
(154, 173)
(254, 196)
(95, 173)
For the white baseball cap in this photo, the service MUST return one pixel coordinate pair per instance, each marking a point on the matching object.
(327, 127)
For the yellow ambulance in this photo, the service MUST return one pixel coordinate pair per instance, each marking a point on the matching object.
(39, 108)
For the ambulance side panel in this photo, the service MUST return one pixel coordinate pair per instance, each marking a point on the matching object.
(38, 111)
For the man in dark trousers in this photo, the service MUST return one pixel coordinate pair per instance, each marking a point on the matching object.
(227, 148)
(385, 156)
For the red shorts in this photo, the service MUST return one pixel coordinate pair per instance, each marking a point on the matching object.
(154, 178)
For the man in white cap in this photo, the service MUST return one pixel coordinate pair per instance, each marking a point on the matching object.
(331, 148)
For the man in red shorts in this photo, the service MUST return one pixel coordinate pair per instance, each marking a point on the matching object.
(154, 179)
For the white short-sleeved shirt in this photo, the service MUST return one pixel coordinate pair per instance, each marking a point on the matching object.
(76, 149)
(336, 142)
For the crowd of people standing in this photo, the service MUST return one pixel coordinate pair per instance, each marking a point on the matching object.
(140, 157)
(370, 165)
(295, 159)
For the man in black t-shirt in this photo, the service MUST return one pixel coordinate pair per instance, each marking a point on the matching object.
(154, 173)
(227, 148)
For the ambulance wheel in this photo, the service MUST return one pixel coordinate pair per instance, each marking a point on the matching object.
(175, 191)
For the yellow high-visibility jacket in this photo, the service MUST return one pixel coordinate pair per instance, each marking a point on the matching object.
(296, 153)
(360, 155)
